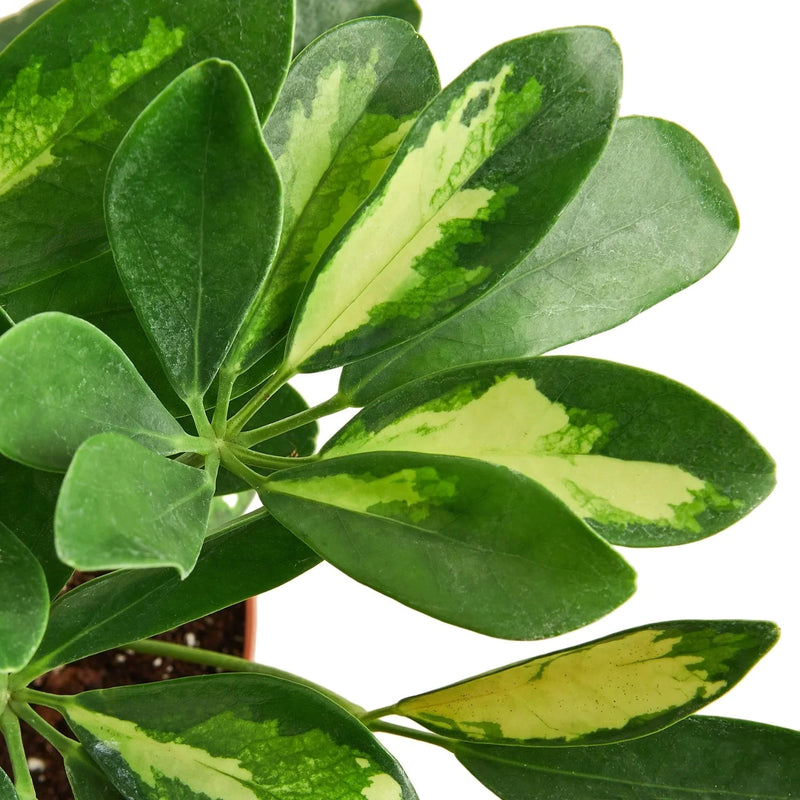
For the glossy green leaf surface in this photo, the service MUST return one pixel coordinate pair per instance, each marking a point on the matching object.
(314, 17)
(233, 737)
(708, 758)
(193, 250)
(620, 687)
(12, 25)
(642, 459)
(86, 779)
(27, 503)
(122, 505)
(70, 87)
(347, 103)
(610, 255)
(448, 522)
(478, 180)
(24, 602)
(95, 293)
(62, 381)
(7, 791)
(247, 557)
(301, 441)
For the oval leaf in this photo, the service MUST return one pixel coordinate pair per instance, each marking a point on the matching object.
(233, 737)
(609, 256)
(193, 249)
(347, 103)
(642, 459)
(620, 687)
(447, 523)
(314, 17)
(249, 556)
(86, 779)
(478, 180)
(72, 85)
(122, 505)
(63, 381)
(702, 757)
(24, 602)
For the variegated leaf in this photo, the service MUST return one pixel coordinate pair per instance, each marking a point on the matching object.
(621, 687)
(708, 758)
(644, 460)
(478, 180)
(24, 603)
(193, 249)
(610, 255)
(347, 103)
(232, 737)
(427, 530)
(61, 381)
(73, 83)
(122, 505)
(86, 779)
(314, 17)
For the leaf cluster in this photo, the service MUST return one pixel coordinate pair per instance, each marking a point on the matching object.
(199, 202)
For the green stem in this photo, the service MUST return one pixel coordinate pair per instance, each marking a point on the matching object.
(198, 411)
(234, 465)
(267, 461)
(7, 316)
(258, 435)
(263, 393)
(412, 733)
(212, 465)
(61, 743)
(23, 783)
(372, 716)
(224, 393)
(209, 658)
(192, 459)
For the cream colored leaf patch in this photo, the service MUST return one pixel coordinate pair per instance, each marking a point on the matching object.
(398, 257)
(512, 424)
(33, 118)
(307, 766)
(620, 687)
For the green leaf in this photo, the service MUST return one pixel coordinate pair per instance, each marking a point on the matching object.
(620, 687)
(298, 442)
(24, 602)
(95, 293)
(27, 504)
(233, 737)
(227, 507)
(194, 248)
(86, 779)
(702, 757)
(642, 459)
(447, 523)
(251, 555)
(314, 17)
(347, 103)
(122, 505)
(12, 25)
(70, 87)
(610, 255)
(62, 381)
(7, 791)
(476, 183)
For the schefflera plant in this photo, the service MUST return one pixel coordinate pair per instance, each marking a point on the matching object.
(249, 228)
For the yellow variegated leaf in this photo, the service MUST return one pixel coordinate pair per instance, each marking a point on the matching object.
(617, 688)
(634, 454)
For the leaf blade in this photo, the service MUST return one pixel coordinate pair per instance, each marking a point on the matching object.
(617, 688)
(447, 521)
(46, 363)
(477, 181)
(237, 737)
(699, 757)
(122, 505)
(213, 205)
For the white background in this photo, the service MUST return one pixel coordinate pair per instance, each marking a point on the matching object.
(730, 77)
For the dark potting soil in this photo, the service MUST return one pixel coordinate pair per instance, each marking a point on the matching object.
(222, 632)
